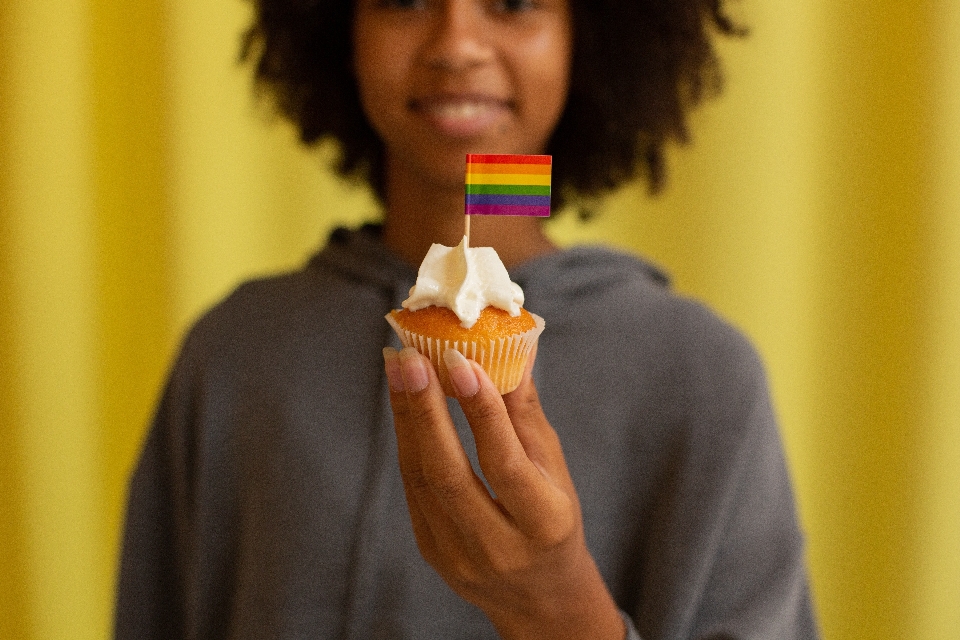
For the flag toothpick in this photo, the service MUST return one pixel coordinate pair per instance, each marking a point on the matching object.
(507, 185)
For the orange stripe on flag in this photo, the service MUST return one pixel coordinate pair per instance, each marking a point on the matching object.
(539, 169)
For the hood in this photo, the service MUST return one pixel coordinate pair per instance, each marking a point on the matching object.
(549, 281)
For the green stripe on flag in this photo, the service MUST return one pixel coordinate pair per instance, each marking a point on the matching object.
(508, 189)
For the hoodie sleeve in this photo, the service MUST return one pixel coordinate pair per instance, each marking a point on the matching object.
(150, 588)
(756, 583)
(667, 425)
(176, 559)
(727, 551)
(178, 556)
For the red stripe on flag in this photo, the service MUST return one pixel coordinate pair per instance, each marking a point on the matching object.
(473, 158)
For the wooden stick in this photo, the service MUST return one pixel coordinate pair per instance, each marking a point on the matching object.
(466, 229)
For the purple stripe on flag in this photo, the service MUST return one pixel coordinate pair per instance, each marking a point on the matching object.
(506, 210)
(526, 201)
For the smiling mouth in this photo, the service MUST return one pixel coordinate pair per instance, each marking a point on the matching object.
(461, 115)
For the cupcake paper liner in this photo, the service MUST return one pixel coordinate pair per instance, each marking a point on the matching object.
(504, 359)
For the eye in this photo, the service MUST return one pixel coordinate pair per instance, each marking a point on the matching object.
(400, 4)
(515, 6)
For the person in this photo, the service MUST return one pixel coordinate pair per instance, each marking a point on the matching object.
(305, 478)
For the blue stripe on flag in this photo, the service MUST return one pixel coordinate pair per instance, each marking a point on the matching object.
(529, 201)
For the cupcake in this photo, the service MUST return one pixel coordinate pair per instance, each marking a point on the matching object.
(463, 299)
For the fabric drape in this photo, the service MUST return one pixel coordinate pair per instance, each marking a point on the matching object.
(818, 208)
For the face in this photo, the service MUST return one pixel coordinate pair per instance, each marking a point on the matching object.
(442, 78)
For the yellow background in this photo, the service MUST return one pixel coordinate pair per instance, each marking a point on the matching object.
(819, 209)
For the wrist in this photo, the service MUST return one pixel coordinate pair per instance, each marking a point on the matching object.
(580, 609)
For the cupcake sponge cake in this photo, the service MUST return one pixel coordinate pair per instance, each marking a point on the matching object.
(464, 300)
(443, 323)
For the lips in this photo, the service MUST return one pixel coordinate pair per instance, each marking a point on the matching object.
(463, 115)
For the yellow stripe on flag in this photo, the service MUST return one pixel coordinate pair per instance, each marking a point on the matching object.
(508, 178)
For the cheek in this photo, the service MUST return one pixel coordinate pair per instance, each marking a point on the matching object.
(548, 73)
(379, 57)
(549, 86)
(366, 67)
(377, 76)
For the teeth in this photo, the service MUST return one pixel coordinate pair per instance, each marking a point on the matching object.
(460, 111)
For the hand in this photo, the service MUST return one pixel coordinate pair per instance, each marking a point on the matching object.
(521, 557)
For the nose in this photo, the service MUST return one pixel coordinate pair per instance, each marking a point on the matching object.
(459, 38)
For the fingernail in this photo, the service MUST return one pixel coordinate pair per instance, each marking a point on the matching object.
(462, 375)
(391, 362)
(414, 372)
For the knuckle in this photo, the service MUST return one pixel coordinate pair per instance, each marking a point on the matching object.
(431, 555)
(508, 563)
(461, 572)
(509, 472)
(557, 529)
(530, 401)
(526, 403)
(464, 581)
(447, 482)
(481, 413)
(421, 412)
(467, 573)
(415, 479)
(553, 536)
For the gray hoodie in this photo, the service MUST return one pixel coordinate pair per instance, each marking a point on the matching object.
(267, 501)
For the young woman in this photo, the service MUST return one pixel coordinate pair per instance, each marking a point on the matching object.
(297, 482)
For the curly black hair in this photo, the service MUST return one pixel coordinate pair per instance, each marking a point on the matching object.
(638, 68)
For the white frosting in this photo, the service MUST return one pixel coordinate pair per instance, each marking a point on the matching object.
(465, 280)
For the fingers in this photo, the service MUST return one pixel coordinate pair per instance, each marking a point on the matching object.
(537, 505)
(408, 452)
(517, 449)
(437, 474)
(525, 546)
(533, 430)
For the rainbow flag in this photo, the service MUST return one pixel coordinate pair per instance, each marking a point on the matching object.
(508, 185)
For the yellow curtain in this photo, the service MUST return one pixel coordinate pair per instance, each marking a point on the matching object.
(818, 209)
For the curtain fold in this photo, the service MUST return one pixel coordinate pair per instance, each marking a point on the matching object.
(818, 209)
(49, 290)
(935, 613)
